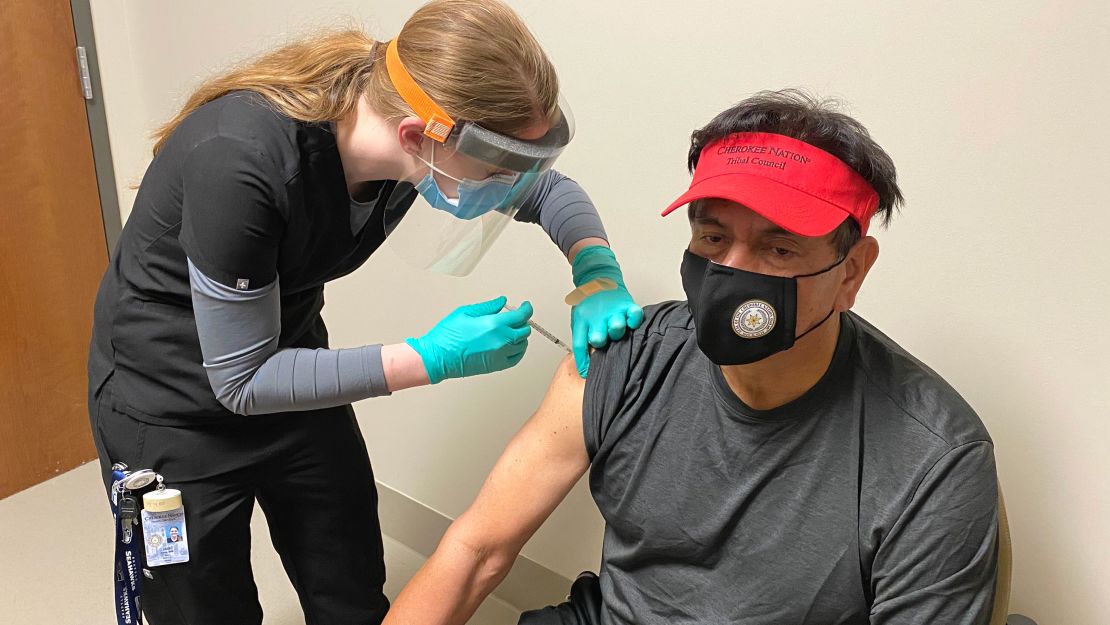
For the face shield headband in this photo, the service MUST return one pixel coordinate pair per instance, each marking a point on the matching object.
(468, 138)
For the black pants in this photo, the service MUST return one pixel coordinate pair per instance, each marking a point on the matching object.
(583, 606)
(310, 473)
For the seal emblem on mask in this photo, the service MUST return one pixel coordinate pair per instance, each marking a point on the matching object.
(754, 319)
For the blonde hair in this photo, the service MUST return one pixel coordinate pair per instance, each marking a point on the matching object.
(475, 58)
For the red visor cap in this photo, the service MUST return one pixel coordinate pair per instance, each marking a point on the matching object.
(798, 187)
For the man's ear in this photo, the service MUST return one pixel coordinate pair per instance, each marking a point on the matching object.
(410, 134)
(856, 265)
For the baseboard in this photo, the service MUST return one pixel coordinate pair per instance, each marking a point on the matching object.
(529, 585)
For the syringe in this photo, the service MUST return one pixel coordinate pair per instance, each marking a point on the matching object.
(544, 333)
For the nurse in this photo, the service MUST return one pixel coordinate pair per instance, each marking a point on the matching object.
(210, 361)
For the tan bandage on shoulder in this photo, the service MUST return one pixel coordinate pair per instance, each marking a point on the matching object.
(576, 296)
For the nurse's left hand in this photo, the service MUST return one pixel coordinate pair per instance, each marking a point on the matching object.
(601, 317)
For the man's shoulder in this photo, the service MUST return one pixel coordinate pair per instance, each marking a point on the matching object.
(913, 394)
(667, 327)
(665, 317)
(631, 372)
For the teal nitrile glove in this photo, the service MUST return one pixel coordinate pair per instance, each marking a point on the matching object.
(603, 316)
(473, 340)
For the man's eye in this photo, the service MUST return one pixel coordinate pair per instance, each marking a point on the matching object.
(713, 239)
(782, 252)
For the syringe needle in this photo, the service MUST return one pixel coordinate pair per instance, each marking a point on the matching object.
(544, 333)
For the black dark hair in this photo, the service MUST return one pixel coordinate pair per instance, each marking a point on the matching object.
(820, 123)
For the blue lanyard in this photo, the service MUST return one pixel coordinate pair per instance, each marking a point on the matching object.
(128, 575)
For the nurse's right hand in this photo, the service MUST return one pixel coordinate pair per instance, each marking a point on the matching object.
(473, 340)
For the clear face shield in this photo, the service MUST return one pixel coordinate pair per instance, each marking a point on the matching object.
(468, 189)
(469, 182)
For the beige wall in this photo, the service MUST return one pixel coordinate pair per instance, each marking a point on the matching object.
(996, 273)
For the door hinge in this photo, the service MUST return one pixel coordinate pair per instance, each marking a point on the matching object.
(83, 69)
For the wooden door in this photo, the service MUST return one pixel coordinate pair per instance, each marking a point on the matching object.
(52, 246)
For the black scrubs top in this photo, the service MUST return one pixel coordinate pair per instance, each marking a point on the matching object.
(247, 194)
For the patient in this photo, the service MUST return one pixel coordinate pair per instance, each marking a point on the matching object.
(760, 454)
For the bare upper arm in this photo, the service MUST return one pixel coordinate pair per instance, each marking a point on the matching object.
(535, 472)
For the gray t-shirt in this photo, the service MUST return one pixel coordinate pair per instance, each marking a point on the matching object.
(870, 499)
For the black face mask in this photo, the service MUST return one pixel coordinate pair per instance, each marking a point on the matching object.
(741, 317)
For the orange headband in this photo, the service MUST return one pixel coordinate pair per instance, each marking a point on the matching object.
(439, 123)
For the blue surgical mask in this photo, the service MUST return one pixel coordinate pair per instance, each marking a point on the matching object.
(476, 197)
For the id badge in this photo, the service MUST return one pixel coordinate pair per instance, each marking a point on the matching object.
(164, 533)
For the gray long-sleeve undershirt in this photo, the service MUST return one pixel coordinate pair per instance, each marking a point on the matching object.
(239, 330)
(561, 207)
